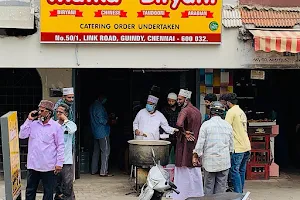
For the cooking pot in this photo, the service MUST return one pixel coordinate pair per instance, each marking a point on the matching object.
(140, 152)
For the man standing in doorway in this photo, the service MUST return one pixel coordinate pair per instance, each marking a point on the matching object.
(171, 112)
(214, 145)
(65, 178)
(238, 120)
(208, 99)
(101, 131)
(188, 178)
(45, 150)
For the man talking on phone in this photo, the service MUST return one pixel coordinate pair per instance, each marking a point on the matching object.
(45, 149)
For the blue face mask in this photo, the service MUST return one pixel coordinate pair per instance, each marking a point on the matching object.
(150, 108)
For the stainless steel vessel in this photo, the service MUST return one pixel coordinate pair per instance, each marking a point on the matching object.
(140, 152)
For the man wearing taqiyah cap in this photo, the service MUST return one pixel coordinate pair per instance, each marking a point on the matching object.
(187, 177)
(148, 120)
(45, 149)
(171, 112)
(68, 98)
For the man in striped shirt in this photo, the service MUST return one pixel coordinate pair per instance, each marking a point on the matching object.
(214, 145)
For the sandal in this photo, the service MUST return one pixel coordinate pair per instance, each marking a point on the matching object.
(106, 175)
(59, 197)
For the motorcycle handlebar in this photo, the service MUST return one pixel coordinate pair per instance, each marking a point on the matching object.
(172, 185)
(177, 192)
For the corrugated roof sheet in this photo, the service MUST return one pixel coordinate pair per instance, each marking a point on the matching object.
(231, 17)
(270, 17)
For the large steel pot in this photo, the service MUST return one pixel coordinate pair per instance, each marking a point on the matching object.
(140, 152)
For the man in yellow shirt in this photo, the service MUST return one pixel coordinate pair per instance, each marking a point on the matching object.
(238, 120)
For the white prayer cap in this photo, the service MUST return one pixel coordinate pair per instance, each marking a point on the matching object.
(185, 93)
(172, 96)
(152, 99)
(67, 91)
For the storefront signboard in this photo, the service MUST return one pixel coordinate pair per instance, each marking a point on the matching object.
(131, 21)
(272, 58)
(257, 74)
(11, 155)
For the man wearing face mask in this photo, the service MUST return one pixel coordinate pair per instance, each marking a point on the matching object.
(101, 131)
(208, 99)
(188, 178)
(45, 150)
(171, 112)
(148, 120)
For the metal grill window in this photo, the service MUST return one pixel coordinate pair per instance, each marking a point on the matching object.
(21, 91)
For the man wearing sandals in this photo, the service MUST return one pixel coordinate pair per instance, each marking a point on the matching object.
(101, 131)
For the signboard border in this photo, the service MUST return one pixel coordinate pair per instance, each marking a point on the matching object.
(137, 42)
(6, 157)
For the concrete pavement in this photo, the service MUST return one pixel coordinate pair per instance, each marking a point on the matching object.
(114, 188)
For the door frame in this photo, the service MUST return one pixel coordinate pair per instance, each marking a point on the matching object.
(76, 105)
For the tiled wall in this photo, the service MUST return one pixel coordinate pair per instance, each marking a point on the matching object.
(215, 81)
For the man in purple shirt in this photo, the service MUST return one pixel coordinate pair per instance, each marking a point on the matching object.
(45, 150)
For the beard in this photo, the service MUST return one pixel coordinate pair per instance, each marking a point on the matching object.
(172, 105)
(69, 103)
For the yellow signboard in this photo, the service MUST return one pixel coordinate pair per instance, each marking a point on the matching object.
(131, 21)
(14, 151)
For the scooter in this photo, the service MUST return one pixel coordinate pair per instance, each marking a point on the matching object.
(158, 183)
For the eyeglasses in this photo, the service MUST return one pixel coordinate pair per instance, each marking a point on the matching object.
(70, 97)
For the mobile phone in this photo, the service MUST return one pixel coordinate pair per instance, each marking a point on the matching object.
(35, 114)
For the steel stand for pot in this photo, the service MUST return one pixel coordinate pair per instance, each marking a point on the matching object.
(134, 177)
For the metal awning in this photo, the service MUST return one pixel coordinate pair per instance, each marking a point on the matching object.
(280, 41)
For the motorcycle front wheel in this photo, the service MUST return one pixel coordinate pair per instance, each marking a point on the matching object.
(157, 195)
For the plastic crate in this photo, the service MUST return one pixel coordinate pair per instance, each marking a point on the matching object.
(258, 172)
(260, 142)
(260, 157)
(171, 170)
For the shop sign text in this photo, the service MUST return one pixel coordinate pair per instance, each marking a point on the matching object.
(131, 21)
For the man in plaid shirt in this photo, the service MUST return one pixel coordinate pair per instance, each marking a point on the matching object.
(214, 146)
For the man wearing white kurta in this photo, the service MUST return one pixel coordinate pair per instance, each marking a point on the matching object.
(148, 120)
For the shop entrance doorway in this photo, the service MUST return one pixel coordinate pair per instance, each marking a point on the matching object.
(125, 89)
(276, 96)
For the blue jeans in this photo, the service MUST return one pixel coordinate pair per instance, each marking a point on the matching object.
(238, 170)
